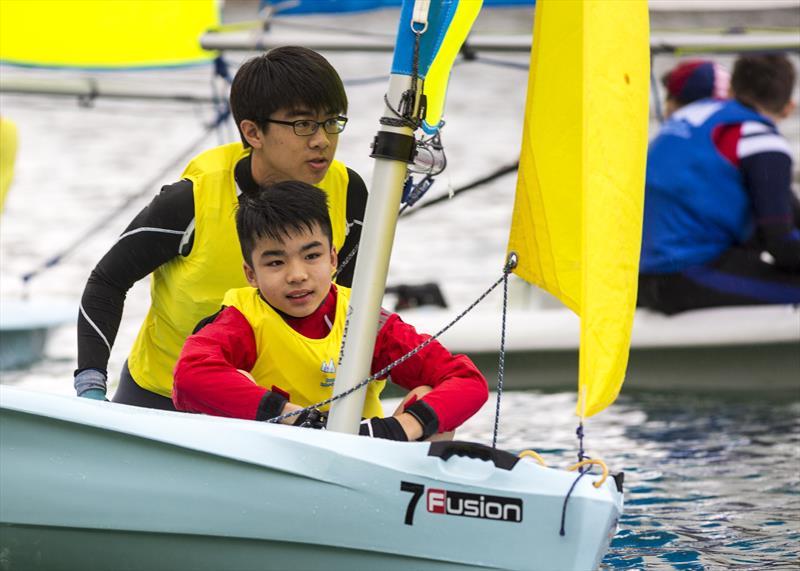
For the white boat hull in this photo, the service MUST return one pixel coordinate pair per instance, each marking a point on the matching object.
(87, 485)
(740, 348)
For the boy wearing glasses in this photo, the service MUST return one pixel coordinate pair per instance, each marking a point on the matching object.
(274, 346)
(289, 106)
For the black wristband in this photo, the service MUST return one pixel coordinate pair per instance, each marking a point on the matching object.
(394, 430)
(388, 428)
(271, 405)
(426, 416)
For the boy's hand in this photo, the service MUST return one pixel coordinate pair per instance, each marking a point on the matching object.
(311, 418)
(91, 384)
(94, 394)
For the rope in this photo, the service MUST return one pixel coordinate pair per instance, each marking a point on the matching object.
(583, 471)
(383, 372)
(406, 115)
(562, 531)
(147, 187)
(579, 433)
(511, 263)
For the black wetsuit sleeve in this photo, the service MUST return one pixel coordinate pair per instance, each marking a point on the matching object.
(796, 210)
(767, 177)
(151, 239)
(356, 206)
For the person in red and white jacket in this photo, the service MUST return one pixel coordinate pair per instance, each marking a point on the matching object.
(274, 347)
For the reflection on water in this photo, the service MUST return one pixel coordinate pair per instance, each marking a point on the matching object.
(716, 485)
(711, 481)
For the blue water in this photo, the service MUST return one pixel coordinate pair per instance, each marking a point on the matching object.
(711, 481)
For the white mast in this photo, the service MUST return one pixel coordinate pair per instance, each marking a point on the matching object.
(393, 149)
(420, 53)
(372, 266)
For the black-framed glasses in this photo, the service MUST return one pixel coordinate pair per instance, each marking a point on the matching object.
(307, 127)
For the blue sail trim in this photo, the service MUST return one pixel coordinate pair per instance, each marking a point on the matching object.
(439, 17)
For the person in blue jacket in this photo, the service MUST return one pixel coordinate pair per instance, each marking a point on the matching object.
(721, 222)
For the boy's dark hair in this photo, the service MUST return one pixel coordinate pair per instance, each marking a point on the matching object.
(763, 80)
(277, 210)
(288, 77)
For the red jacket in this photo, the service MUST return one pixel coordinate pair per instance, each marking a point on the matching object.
(207, 380)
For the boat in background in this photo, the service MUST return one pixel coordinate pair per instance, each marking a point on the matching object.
(24, 324)
(745, 349)
(25, 327)
(84, 35)
(67, 38)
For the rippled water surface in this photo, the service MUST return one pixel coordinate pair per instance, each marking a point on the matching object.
(711, 481)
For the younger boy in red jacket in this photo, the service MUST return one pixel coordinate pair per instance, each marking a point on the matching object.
(274, 347)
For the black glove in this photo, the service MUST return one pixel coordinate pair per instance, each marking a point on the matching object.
(388, 428)
(311, 418)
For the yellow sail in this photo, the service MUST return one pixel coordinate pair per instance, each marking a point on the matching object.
(578, 210)
(105, 34)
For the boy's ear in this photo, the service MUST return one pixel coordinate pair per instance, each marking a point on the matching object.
(788, 109)
(334, 258)
(249, 274)
(251, 133)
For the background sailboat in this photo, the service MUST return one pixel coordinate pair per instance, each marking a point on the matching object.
(121, 36)
(50, 37)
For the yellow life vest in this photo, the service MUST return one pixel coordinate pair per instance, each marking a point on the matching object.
(303, 367)
(188, 288)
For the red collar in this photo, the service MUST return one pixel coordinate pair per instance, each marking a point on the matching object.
(315, 325)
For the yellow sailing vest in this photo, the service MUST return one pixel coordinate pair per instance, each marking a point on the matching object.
(303, 367)
(188, 288)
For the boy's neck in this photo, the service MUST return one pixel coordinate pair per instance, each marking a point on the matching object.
(259, 173)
